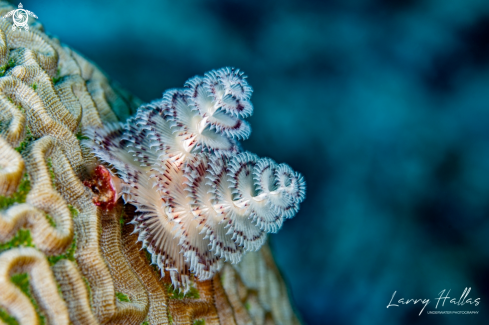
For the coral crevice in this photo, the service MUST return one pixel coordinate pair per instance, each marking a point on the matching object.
(11, 168)
(44, 288)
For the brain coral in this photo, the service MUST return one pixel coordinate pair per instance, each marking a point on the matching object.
(66, 258)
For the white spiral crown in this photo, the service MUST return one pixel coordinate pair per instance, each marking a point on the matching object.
(200, 199)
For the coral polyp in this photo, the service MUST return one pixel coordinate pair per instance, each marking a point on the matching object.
(200, 198)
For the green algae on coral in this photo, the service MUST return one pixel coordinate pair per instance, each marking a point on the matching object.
(27, 140)
(3, 68)
(74, 211)
(21, 280)
(121, 220)
(57, 78)
(50, 220)
(148, 257)
(49, 163)
(81, 137)
(18, 196)
(122, 297)
(69, 255)
(21, 238)
(173, 293)
(89, 289)
(7, 319)
(11, 63)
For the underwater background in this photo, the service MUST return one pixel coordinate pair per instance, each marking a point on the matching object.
(382, 105)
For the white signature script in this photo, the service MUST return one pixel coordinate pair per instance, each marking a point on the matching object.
(460, 302)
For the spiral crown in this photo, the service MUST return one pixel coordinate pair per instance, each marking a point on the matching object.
(200, 198)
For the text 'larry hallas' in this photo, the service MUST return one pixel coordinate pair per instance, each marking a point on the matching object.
(460, 302)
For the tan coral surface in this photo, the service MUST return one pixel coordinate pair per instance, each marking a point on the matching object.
(62, 259)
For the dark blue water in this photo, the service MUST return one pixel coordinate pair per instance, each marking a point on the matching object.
(382, 105)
